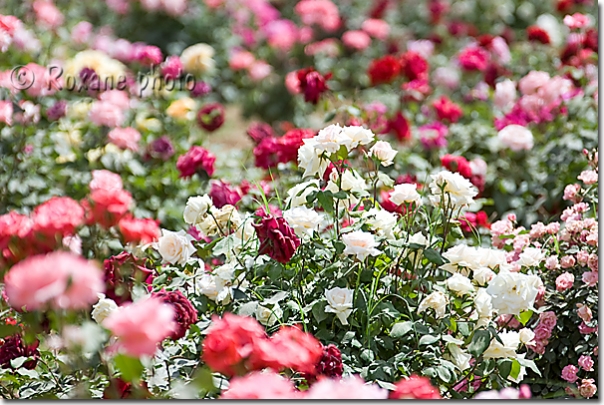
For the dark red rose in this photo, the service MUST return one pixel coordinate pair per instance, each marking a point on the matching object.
(200, 89)
(259, 131)
(590, 39)
(414, 66)
(400, 127)
(277, 238)
(265, 153)
(312, 84)
(211, 116)
(478, 182)
(457, 164)
(186, 314)
(415, 388)
(384, 70)
(492, 72)
(13, 346)
(537, 34)
(121, 272)
(379, 8)
(161, 148)
(330, 364)
(447, 110)
(120, 389)
(223, 193)
(196, 159)
(437, 9)
(565, 6)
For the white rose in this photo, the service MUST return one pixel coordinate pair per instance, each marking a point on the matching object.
(351, 181)
(531, 257)
(478, 167)
(492, 258)
(304, 220)
(437, 301)
(459, 284)
(268, 316)
(483, 305)
(383, 152)
(552, 26)
(356, 136)
(382, 221)
(361, 244)
(527, 337)
(459, 357)
(516, 137)
(309, 158)
(459, 191)
(483, 275)
(221, 221)
(505, 95)
(330, 139)
(175, 247)
(297, 194)
(214, 288)
(196, 208)
(103, 308)
(512, 293)
(405, 193)
(198, 58)
(339, 302)
(462, 259)
(496, 350)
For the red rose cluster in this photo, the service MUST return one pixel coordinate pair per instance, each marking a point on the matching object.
(185, 313)
(195, 160)
(236, 345)
(211, 116)
(271, 150)
(12, 347)
(277, 239)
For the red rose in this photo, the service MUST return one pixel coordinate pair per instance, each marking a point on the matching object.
(186, 314)
(223, 193)
(312, 84)
(288, 145)
(196, 159)
(13, 346)
(137, 230)
(471, 221)
(400, 126)
(446, 110)
(277, 238)
(107, 206)
(388, 205)
(590, 39)
(457, 164)
(211, 116)
(57, 216)
(384, 70)
(415, 388)
(414, 67)
(230, 342)
(120, 389)
(330, 364)
(121, 272)
(265, 153)
(473, 58)
(537, 34)
(259, 131)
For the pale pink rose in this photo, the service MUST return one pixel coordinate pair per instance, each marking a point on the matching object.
(261, 385)
(532, 103)
(564, 281)
(328, 47)
(105, 180)
(376, 28)
(356, 39)
(47, 14)
(588, 388)
(586, 363)
(552, 228)
(501, 50)
(555, 89)
(119, 6)
(124, 138)
(259, 70)
(582, 257)
(352, 387)
(305, 35)
(175, 7)
(569, 373)
(61, 279)
(5, 40)
(505, 95)
(570, 192)
(584, 313)
(320, 12)
(551, 263)
(240, 60)
(516, 137)
(424, 47)
(577, 20)
(586, 330)
(116, 97)
(530, 83)
(281, 34)
(106, 113)
(151, 5)
(567, 262)
(73, 243)
(6, 112)
(590, 278)
(478, 167)
(588, 177)
(447, 77)
(141, 326)
(292, 83)
(81, 32)
(42, 82)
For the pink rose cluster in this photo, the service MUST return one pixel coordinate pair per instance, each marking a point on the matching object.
(171, 7)
(197, 159)
(109, 110)
(543, 331)
(587, 387)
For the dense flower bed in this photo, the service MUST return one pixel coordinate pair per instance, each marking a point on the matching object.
(299, 199)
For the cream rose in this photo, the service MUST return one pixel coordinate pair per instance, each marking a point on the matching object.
(527, 337)
(496, 350)
(309, 158)
(175, 247)
(355, 136)
(268, 316)
(381, 221)
(196, 209)
(461, 285)
(405, 193)
(339, 302)
(103, 308)
(531, 256)
(512, 293)
(330, 139)
(304, 220)
(458, 190)
(198, 58)
(437, 301)
(361, 244)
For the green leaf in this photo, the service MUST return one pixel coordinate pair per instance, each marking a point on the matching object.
(401, 329)
(524, 317)
(428, 339)
(480, 342)
(131, 368)
(326, 201)
(529, 364)
(444, 373)
(7, 330)
(341, 195)
(318, 311)
(329, 116)
(514, 369)
(434, 257)
(203, 380)
(367, 355)
(505, 367)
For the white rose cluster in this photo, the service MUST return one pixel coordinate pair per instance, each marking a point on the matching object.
(479, 261)
(437, 301)
(458, 190)
(511, 293)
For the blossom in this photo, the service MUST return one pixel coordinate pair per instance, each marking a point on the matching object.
(588, 177)
(436, 301)
(211, 116)
(473, 58)
(530, 257)
(160, 148)
(516, 137)
(458, 190)
(124, 138)
(405, 194)
(399, 125)
(195, 160)
(277, 238)
(356, 39)
(61, 279)
(505, 95)
(433, 135)
(172, 68)
(339, 302)
(415, 387)
(512, 293)
(459, 284)
(381, 221)
(353, 136)
(182, 109)
(107, 114)
(537, 34)
(141, 326)
(309, 158)
(383, 152)
(447, 110)
(297, 194)
(175, 247)
(352, 387)
(577, 20)
(196, 208)
(483, 304)
(103, 308)
(330, 364)
(312, 84)
(413, 64)
(185, 314)
(496, 350)
(586, 363)
(376, 28)
(588, 388)
(564, 281)
(14, 346)
(108, 206)
(361, 244)
(121, 272)
(303, 220)
(527, 337)
(138, 230)
(383, 70)
(569, 373)
(260, 385)
(584, 312)
(198, 58)
(268, 316)
(57, 216)
(321, 12)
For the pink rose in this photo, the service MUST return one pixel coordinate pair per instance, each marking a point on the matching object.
(241, 60)
(586, 363)
(356, 39)
(376, 28)
(47, 14)
(259, 70)
(588, 388)
(292, 83)
(590, 278)
(570, 192)
(352, 387)
(196, 159)
(106, 180)
(551, 263)
(124, 138)
(585, 313)
(61, 279)
(569, 373)
(530, 83)
(118, 98)
(588, 177)
(564, 281)
(257, 385)
(106, 113)
(577, 21)
(6, 112)
(141, 326)
(548, 319)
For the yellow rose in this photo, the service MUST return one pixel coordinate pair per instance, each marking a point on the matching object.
(198, 58)
(182, 109)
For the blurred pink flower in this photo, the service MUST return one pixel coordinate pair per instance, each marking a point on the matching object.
(292, 83)
(356, 39)
(6, 111)
(106, 113)
(321, 12)
(81, 32)
(588, 388)
(105, 180)
(352, 387)
(241, 60)
(261, 385)
(259, 70)
(577, 20)
(118, 98)
(47, 14)
(124, 138)
(376, 28)
(281, 34)
(534, 80)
